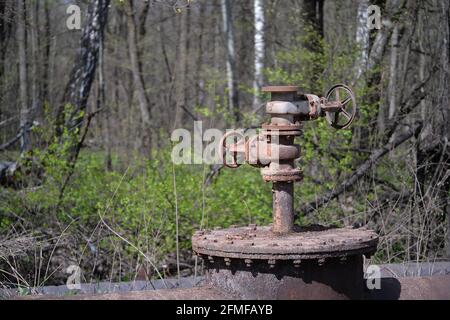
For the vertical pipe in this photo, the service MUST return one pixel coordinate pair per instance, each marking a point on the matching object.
(283, 207)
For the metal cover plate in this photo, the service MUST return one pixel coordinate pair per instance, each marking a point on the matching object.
(280, 89)
(313, 242)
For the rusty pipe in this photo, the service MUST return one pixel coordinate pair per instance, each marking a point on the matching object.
(283, 207)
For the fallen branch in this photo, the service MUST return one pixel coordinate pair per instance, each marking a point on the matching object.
(11, 142)
(16, 138)
(361, 170)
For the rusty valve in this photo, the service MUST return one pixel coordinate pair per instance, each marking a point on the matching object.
(283, 260)
(274, 151)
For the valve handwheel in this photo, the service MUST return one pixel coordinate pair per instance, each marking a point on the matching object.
(347, 106)
(231, 148)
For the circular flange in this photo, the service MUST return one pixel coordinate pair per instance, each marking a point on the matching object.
(313, 242)
(274, 127)
(279, 132)
(281, 175)
(280, 89)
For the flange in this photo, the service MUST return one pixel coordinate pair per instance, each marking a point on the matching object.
(260, 243)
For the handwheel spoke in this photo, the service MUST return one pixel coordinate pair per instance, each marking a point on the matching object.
(346, 100)
(346, 114)
(337, 95)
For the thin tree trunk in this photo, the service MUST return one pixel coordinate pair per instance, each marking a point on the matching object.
(200, 84)
(313, 12)
(143, 19)
(23, 79)
(5, 37)
(181, 69)
(46, 55)
(393, 74)
(35, 63)
(362, 37)
(83, 74)
(144, 105)
(101, 98)
(422, 62)
(233, 96)
(259, 51)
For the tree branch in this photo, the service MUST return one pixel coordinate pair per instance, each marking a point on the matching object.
(361, 170)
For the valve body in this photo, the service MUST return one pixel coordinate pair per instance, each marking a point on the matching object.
(284, 260)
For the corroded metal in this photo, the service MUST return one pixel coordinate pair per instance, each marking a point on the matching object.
(341, 105)
(283, 207)
(282, 279)
(195, 293)
(308, 263)
(274, 150)
(284, 261)
(304, 243)
(424, 281)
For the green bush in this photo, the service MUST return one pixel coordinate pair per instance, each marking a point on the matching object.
(137, 202)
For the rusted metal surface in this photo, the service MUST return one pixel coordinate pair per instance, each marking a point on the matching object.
(196, 293)
(279, 175)
(274, 150)
(284, 261)
(283, 207)
(295, 128)
(302, 282)
(280, 89)
(254, 242)
(305, 284)
(411, 288)
(307, 280)
(346, 102)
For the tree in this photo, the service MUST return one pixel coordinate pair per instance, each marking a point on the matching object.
(182, 67)
(259, 50)
(144, 105)
(228, 31)
(82, 75)
(313, 13)
(362, 37)
(23, 77)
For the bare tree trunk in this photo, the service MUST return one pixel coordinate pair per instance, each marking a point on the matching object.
(392, 94)
(3, 38)
(313, 13)
(376, 55)
(144, 105)
(259, 51)
(143, 19)
(199, 81)
(181, 68)
(445, 102)
(83, 74)
(35, 63)
(422, 62)
(233, 97)
(101, 99)
(46, 55)
(23, 79)
(362, 37)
